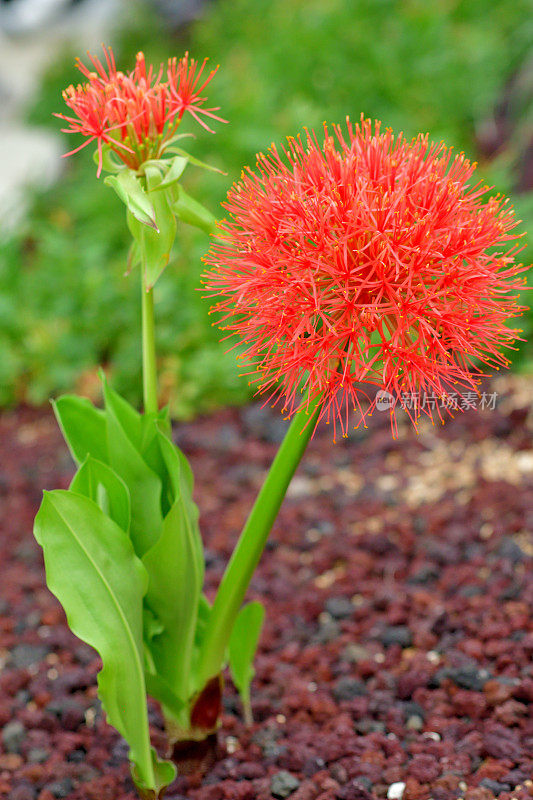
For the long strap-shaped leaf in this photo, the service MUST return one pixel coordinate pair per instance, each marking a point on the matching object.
(93, 571)
(176, 570)
(124, 431)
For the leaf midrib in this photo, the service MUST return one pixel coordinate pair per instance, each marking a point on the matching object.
(105, 582)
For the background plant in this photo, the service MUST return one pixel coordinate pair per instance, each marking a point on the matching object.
(64, 304)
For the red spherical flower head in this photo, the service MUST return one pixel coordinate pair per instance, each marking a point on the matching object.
(135, 113)
(365, 260)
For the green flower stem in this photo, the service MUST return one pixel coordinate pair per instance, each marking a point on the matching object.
(148, 344)
(250, 546)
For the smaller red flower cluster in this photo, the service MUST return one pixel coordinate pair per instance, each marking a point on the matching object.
(366, 259)
(136, 113)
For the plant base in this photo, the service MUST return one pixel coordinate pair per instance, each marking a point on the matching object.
(195, 757)
(193, 747)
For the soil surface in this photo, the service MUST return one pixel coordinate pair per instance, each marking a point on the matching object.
(398, 642)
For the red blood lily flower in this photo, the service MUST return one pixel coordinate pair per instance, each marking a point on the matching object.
(368, 259)
(135, 113)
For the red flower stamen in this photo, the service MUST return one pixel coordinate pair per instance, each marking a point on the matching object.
(365, 260)
(183, 81)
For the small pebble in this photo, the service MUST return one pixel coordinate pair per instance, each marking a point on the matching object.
(347, 688)
(60, 788)
(24, 791)
(38, 755)
(13, 735)
(26, 655)
(396, 634)
(414, 723)
(473, 678)
(354, 653)
(283, 784)
(339, 607)
(509, 549)
(395, 791)
(328, 630)
(495, 786)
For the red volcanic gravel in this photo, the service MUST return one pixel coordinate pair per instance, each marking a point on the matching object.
(398, 642)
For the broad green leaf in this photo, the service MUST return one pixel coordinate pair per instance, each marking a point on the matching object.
(204, 610)
(176, 578)
(242, 647)
(93, 571)
(192, 212)
(159, 689)
(180, 475)
(83, 427)
(151, 625)
(151, 426)
(129, 189)
(98, 481)
(179, 485)
(163, 421)
(124, 433)
(156, 245)
(130, 419)
(164, 773)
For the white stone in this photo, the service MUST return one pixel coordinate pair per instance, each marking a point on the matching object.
(395, 791)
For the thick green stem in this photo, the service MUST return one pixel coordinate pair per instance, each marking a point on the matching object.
(252, 541)
(148, 343)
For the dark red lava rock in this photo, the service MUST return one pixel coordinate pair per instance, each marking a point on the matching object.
(398, 641)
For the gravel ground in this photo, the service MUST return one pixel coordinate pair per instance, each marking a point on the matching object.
(396, 659)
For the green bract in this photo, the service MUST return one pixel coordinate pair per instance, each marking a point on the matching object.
(154, 199)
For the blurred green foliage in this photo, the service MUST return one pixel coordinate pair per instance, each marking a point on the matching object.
(439, 67)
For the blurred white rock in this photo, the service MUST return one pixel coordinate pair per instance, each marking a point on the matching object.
(30, 159)
(396, 790)
(32, 34)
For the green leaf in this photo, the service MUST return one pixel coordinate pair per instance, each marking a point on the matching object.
(129, 189)
(151, 625)
(164, 773)
(94, 573)
(156, 245)
(167, 146)
(83, 427)
(151, 426)
(192, 212)
(242, 647)
(180, 475)
(130, 419)
(124, 438)
(194, 160)
(134, 253)
(109, 162)
(204, 610)
(100, 483)
(176, 570)
(159, 689)
(174, 172)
